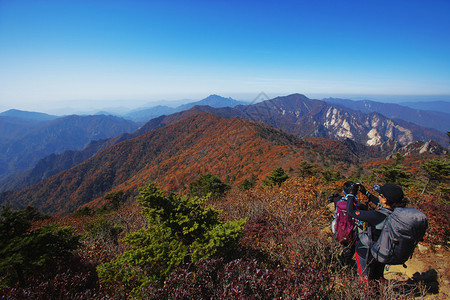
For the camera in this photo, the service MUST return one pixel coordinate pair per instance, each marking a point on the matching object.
(355, 187)
(377, 188)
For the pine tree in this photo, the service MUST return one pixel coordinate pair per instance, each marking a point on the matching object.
(277, 177)
(436, 171)
(179, 229)
(393, 173)
(23, 251)
(208, 184)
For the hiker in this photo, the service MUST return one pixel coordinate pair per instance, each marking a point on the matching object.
(343, 225)
(390, 197)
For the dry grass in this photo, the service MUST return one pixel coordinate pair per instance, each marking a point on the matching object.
(287, 223)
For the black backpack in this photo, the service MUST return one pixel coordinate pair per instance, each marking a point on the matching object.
(402, 231)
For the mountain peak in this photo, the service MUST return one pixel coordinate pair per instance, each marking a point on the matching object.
(215, 96)
(27, 115)
(294, 99)
(296, 96)
(213, 100)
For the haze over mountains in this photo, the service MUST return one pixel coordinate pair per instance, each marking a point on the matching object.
(173, 144)
(440, 106)
(27, 137)
(143, 115)
(20, 116)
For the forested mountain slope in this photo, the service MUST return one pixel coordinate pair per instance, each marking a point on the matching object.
(295, 114)
(174, 155)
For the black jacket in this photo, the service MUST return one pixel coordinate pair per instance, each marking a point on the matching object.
(372, 217)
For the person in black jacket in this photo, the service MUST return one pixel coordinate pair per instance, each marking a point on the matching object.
(390, 196)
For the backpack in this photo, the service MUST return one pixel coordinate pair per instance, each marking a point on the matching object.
(402, 231)
(343, 225)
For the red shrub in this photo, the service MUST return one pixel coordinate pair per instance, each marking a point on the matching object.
(240, 279)
(71, 279)
(438, 215)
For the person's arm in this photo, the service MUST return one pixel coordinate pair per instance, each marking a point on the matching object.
(370, 216)
(369, 196)
(372, 198)
(361, 206)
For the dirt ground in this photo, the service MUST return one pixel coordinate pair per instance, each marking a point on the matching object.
(426, 259)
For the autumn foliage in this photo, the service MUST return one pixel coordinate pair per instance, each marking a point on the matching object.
(155, 241)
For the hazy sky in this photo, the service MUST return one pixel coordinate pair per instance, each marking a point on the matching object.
(123, 52)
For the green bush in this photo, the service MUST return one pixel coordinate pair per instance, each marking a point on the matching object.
(246, 184)
(180, 229)
(113, 202)
(208, 184)
(307, 169)
(85, 211)
(102, 227)
(277, 177)
(437, 171)
(23, 251)
(331, 176)
(393, 173)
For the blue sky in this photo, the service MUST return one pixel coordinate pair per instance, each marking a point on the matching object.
(103, 53)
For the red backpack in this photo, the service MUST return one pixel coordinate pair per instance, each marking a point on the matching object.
(344, 225)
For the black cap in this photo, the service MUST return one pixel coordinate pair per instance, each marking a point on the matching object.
(392, 192)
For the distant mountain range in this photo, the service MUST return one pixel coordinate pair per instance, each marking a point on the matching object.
(295, 114)
(174, 155)
(189, 144)
(33, 148)
(440, 106)
(439, 120)
(302, 116)
(27, 116)
(27, 137)
(144, 115)
(433, 115)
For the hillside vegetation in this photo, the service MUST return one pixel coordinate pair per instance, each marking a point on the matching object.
(211, 208)
(233, 149)
(284, 250)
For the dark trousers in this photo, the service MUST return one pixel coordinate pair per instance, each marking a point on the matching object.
(346, 256)
(368, 267)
